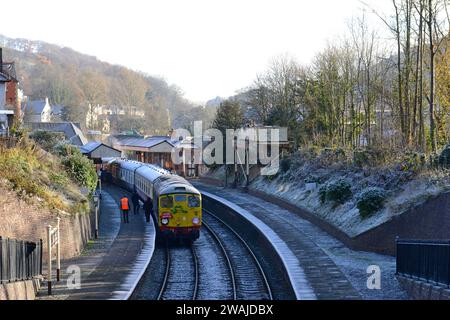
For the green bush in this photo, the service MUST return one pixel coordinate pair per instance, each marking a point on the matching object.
(64, 150)
(312, 179)
(17, 166)
(370, 201)
(338, 191)
(323, 193)
(371, 156)
(285, 164)
(47, 139)
(412, 161)
(79, 168)
(444, 157)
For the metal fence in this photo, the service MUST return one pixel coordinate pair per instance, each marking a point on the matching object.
(19, 260)
(427, 260)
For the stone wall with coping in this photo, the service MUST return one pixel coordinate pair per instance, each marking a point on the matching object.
(24, 221)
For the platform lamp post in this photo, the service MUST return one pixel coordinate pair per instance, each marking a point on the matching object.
(235, 157)
(99, 174)
(247, 162)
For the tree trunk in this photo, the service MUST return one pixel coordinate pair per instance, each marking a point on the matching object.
(431, 98)
(399, 71)
(418, 67)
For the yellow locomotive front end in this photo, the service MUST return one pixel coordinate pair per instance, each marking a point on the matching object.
(180, 215)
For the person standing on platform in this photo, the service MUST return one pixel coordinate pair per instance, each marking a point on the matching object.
(125, 207)
(135, 200)
(148, 207)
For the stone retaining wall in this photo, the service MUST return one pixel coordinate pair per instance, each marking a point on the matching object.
(422, 290)
(20, 290)
(21, 220)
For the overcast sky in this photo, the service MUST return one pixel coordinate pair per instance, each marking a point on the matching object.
(208, 48)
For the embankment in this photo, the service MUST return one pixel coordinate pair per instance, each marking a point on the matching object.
(428, 220)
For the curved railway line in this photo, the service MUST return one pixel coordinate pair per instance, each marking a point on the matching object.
(249, 279)
(246, 276)
(181, 278)
(221, 266)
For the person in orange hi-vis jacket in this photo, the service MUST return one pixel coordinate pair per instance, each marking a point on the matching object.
(125, 207)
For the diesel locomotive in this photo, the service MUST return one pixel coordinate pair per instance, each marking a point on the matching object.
(177, 205)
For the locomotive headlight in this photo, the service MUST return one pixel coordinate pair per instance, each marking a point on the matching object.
(195, 220)
(165, 221)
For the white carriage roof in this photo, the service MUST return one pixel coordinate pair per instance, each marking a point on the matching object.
(129, 164)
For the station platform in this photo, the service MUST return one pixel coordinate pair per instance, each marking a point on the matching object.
(320, 266)
(111, 265)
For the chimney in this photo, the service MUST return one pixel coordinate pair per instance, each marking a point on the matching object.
(1, 59)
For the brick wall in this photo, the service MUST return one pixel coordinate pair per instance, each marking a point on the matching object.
(21, 220)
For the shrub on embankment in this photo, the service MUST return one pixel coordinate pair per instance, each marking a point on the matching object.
(40, 177)
(370, 201)
(357, 190)
(80, 168)
(338, 191)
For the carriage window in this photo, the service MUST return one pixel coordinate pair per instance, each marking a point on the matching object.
(180, 198)
(194, 201)
(166, 202)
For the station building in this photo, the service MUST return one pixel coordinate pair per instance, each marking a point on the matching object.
(96, 151)
(158, 150)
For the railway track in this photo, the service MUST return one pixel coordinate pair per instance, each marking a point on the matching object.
(243, 277)
(249, 281)
(181, 279)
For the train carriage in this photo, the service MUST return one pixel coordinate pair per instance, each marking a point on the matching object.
(123, 173)
(177, 208)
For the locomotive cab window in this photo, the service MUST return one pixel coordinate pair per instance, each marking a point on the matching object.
(180, 198)
(166, 202)
(194, 201)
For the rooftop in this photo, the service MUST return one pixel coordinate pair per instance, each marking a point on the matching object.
(35, 107)
(71, 131)
(142, 142)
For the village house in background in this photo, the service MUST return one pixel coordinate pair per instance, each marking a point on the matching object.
(37, 110)
(10, 96)
(104, 117)
(41, 111)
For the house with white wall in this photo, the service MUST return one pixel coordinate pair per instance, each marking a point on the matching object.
(38, 111)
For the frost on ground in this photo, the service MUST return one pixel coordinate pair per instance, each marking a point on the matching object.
(301, 182)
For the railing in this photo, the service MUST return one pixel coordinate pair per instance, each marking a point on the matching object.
(427, 260)
(19, 260)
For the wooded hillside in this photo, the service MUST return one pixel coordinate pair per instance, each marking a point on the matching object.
(76, 80)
